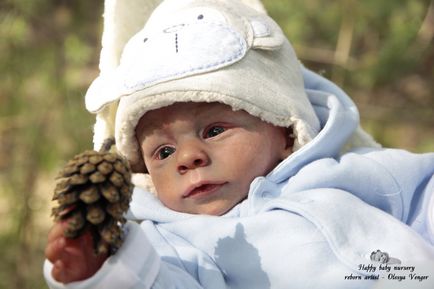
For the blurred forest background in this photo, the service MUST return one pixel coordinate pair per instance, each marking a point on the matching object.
(381, 52)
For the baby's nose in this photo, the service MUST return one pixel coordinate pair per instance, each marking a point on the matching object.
(191, 155)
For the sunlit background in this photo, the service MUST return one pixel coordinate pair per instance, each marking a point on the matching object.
(380, 52)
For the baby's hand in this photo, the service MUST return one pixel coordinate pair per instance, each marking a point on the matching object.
(72, 259)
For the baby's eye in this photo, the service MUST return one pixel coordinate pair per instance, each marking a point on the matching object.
(214, 131)
(165, 152)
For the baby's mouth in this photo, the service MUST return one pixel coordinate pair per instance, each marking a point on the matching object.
(202, 190)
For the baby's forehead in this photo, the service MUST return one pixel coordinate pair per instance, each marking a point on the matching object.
(183, 109)
(157, 118)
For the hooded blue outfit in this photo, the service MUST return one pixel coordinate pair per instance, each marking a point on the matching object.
(312, 222)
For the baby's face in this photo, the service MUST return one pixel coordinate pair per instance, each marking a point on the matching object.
(202, 157)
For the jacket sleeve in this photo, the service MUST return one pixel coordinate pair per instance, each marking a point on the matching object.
(413, 176)
(135, 266)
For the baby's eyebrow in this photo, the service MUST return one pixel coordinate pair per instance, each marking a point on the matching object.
(146, 129)
(154, 131)
(149, 141)
(150, 125)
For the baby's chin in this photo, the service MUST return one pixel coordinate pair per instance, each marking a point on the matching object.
(218, 209)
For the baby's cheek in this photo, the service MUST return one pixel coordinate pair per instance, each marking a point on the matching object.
(166, 193)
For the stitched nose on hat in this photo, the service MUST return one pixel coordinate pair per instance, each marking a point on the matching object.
(174, 28)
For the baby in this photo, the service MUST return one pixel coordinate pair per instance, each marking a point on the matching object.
(245, 152)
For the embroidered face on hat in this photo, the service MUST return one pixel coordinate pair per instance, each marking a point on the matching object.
(206, 51)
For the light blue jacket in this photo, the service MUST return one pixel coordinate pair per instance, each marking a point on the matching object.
(310, 223)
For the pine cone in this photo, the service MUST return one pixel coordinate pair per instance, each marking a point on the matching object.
(93, 191)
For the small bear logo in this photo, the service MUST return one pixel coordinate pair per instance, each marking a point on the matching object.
(383, 258)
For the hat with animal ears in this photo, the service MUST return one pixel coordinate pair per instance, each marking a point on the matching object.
(223, 51)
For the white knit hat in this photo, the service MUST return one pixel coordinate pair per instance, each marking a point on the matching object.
(205, 51)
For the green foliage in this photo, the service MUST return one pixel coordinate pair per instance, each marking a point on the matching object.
(388, 67)
(380, 52)
(49, 53)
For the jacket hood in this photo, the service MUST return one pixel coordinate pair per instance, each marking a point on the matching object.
(340, 127)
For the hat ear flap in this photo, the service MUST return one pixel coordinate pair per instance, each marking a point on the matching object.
(267, 35)
(103, 91)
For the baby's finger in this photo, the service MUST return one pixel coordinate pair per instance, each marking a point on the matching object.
(64, 273)
(58, 271)
(55, 249)
(56, 231)
(61, 273)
